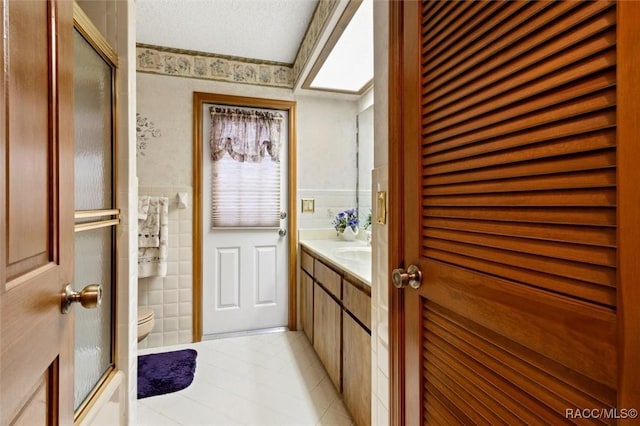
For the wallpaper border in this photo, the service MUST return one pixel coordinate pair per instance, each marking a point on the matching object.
(192, 64)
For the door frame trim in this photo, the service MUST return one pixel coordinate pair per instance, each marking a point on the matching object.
(628, 232)
(199, 99)
(396, 194)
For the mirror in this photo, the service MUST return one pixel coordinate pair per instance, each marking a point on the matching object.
(364, 163)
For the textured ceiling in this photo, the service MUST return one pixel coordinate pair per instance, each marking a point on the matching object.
(258, 29)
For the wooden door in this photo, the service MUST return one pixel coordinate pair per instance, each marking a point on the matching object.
(36, 201)
(517, 146)
(245, 231)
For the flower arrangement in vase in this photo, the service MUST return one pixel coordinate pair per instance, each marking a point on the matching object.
(346, 224)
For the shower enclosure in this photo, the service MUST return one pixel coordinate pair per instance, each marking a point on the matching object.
(96, 215)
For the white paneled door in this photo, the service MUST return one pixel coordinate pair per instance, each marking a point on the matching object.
(245, 269)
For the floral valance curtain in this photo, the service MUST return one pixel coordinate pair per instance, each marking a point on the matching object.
(246, 135)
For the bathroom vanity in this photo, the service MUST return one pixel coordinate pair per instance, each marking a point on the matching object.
(335, 312)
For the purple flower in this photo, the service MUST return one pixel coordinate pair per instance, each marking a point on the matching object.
(345, 218)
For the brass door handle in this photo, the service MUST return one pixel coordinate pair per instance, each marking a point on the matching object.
(89, 297)
(412, 276)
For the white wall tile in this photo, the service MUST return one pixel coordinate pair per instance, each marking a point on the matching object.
(170, 310)
(165, 294)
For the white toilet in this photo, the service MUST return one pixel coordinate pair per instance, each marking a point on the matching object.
(145, 322)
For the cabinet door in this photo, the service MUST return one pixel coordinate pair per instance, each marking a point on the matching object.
(306, 304)
(326, 332)
(356, 370)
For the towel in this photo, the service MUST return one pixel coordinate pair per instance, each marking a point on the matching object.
(149, 227)
(153, 245)
(143, 206)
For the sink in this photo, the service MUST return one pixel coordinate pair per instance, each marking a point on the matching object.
(362, 254)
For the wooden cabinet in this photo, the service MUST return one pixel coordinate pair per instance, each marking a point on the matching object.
(335, 312)
(327, 321)
(356, 370)
(306, 304)
(328, 278)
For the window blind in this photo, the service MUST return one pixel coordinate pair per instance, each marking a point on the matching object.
(245, 194)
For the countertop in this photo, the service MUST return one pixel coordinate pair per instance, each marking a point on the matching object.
(326, 249)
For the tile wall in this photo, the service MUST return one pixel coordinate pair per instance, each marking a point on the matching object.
(171, 297)
(327, 202)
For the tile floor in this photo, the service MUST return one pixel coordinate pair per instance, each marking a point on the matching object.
(264, 379)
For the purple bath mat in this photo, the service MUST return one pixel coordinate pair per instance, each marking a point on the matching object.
(165, 372)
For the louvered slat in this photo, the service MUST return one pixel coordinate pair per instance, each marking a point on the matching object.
(588, 179)
(521, 388)
(436, 413)
(484, 64)
(477, 37)
(480, 408)
(546, 166)
(570, 234)
(509, 414)
(450, 41)
(455, 415)
(594, 274)
(598, 293)
(591, 144)
(583, 216)
(442, 34)
(466, 403)
(559, 132)
(520, 102)
(507, 91)
(488, 127)
(580, 197)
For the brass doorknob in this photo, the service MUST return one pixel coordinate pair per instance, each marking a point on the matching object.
(89, 297)
(411, 276)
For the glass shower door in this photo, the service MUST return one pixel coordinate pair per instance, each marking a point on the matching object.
(96, 215)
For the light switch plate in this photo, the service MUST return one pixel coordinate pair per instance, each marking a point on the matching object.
(308, 205)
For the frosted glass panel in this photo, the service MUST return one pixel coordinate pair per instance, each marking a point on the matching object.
(94, 264)
(93, 127)
(94, 249)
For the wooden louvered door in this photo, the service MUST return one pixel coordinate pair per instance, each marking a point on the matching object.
(511, 208)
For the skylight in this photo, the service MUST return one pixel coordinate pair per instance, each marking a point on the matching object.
(349, 66)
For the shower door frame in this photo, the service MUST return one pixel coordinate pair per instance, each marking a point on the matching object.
(82, 23)
(199, 99)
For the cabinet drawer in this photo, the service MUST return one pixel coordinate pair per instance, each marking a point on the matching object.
(329, 279)
(306, 262)
(357, 302)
